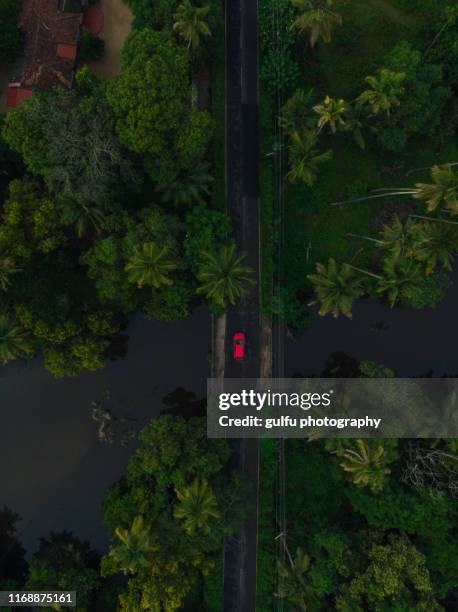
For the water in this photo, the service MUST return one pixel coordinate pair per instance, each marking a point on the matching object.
(53, 469)
(412, 342)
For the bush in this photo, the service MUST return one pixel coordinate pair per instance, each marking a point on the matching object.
(91, 47)
(428, 292)
(423, 103)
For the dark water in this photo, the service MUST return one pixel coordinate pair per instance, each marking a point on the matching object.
(412, 342)
(53, 469)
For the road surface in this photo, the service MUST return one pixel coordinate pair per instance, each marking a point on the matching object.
(242, 201)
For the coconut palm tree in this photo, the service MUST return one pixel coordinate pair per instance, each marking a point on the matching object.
(331, 112)
(191, 22)
(293, 115)
(292, 586)
(317, 18)
(384, 91)
(188, 187)
(336, 288)
(83, 217)
(150, 265)
(304, 157)
(197, 505)
(223, 276)
(442, 190)
(433, 244)
(7, 269)
(365, 465)
(14, 341)
(134, 547)
(399, 275)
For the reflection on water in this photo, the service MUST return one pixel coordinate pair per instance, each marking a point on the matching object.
(411, 342)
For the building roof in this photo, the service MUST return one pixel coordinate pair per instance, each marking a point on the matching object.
(16, 95)
(51, 41)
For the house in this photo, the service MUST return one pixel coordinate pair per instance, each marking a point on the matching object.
(52, 30)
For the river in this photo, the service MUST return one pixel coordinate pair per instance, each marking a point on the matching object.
(53, 469)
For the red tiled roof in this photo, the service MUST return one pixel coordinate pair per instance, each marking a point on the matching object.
(66, 51)
(93, 19)
(46, 29)
(16, 95)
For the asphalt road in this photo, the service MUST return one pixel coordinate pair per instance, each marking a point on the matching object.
(242, 201)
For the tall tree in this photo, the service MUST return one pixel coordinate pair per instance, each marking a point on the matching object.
(134, 547)
(331, 112)
(384, 91)
(14, 341)
(191, 22)
(150, 265)
(399, 275)
(433, 244)
(336, 288)
(304, 157)
(197, 505)
(223, 277)
(365, 465)
(317, 18)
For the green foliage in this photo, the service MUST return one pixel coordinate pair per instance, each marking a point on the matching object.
(396, 577)
(90, 47)
(65, 563)
(223, 277)
(279, 67)
(206, 229)
(305, 158)
(317, 18)
(150, 265)
(151, 103)
(428, 291)
(421, 105)
(384, 91)
(68, 139)
(14, 341)
(174, 455)
(191, 22)
(336, 288)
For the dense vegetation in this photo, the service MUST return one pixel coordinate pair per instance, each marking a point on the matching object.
(370, 524)
(108, 203)
(358, 120)
(365, 148)
(167, 517)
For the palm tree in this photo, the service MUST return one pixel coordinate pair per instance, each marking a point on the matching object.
(14, 341)
(293, 114)
(331, 113)
(305, 158)
(134, 548)
(433, 244)
(399, 275)
(443, 189)
(384, 91)
(223, 276)
(150, 265)
(365, 465)
(336, 288)
(190, 22)
(188, 187)
(317, 18)
(292, 586)
(83, 217)
(197, 504)
(7, 269)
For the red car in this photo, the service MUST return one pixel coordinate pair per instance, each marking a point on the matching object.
(239, 341)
